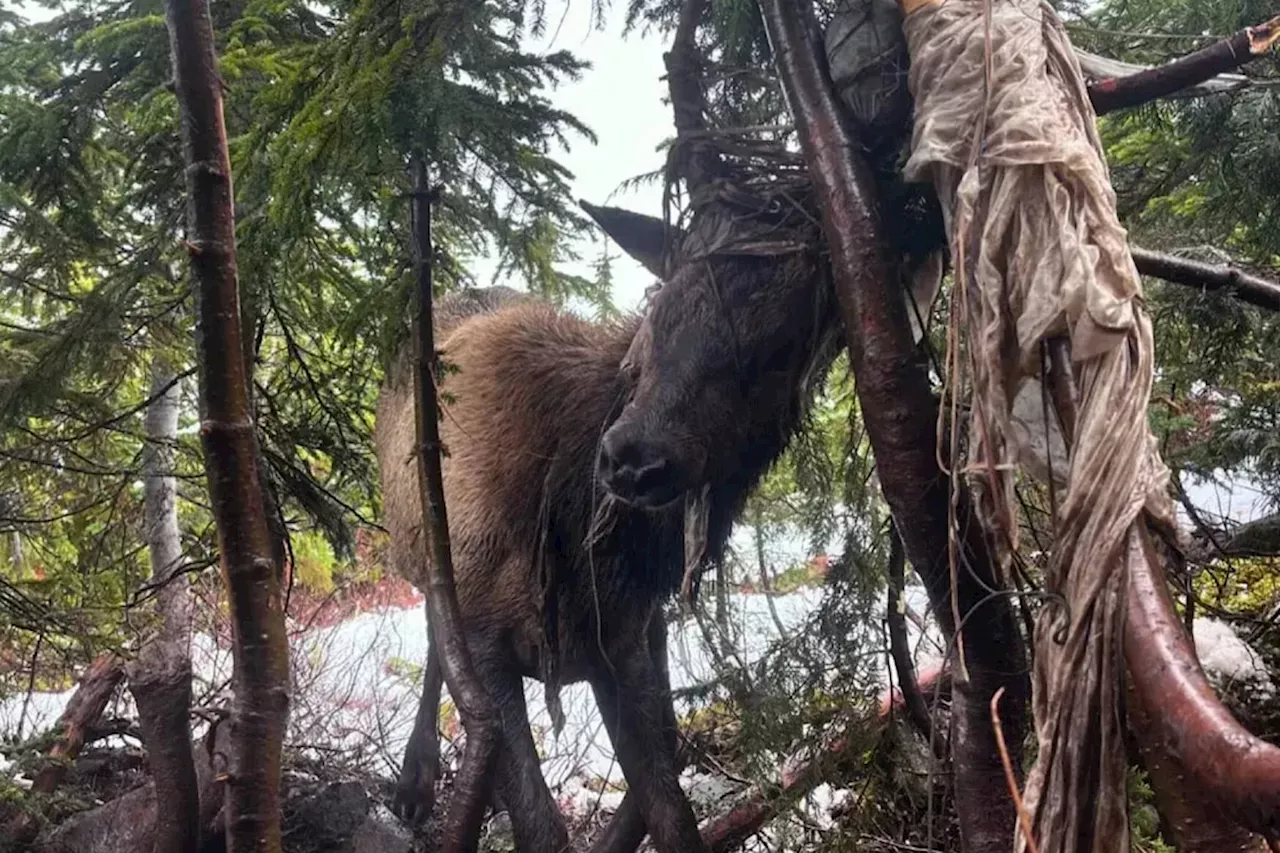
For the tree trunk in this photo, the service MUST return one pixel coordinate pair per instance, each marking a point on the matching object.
(1195, 823)
(260, 650)
(901, 419)
(160, 679)
(471, 789)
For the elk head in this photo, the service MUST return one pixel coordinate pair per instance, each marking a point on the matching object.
(722, 361)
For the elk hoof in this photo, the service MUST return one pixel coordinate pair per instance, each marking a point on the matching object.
(415, 793)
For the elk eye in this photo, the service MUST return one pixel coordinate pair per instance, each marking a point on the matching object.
(630, 371)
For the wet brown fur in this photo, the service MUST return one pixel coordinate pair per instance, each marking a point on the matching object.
(530, 393)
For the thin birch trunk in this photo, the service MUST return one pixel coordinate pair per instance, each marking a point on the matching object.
(160, 679)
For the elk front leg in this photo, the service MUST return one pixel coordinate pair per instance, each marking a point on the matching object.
(626, 829)
(638, 714)
(416, 788)
(536, 822)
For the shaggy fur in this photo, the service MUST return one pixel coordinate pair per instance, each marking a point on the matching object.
(558, 578)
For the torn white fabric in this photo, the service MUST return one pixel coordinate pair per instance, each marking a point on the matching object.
(1039, 252)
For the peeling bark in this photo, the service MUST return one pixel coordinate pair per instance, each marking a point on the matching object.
(471, 788)
(160, 679)
(1211, 277)
(1117, 93)
(900, 414)
(260, 651)
(97, 686)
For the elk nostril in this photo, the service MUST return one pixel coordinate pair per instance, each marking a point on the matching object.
(631, 466)
(652, 475)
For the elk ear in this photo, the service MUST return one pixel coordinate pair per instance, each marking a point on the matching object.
(640, 236)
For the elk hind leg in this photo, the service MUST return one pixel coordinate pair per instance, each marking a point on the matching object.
(415, 789)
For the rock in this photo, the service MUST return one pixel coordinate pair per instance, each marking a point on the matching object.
(123, 825)
(326, 820)
(500, 836)
(380, 833)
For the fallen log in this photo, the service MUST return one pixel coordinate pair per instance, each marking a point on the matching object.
(97, 686)
(74, 728)
(801, 773)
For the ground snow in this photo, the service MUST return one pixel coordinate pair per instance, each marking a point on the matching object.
(351, 691)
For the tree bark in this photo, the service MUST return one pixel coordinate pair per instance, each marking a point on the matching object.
(1222, 761)
(160, 679)
(1193, 821)
(1117, 93)
(900, 414)
(698, 161)
(471, 788)
(97, 686)
(260, 650)
(1212, 277)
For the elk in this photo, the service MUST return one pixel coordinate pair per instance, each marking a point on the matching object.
(575, 452)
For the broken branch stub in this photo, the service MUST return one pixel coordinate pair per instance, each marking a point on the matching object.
(1117, 93)
(471, 788)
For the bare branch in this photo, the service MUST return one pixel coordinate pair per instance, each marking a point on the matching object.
(697, 162)
(1116, 93)
(801, 773)
(899, 648)
(1211, 277)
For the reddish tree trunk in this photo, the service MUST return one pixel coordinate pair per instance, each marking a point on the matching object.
(471, 788)
(249, 570)
(1120, 92)
(1195, 824)
(901, 416)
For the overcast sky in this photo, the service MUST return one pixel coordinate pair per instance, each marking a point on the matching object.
(620, 99)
